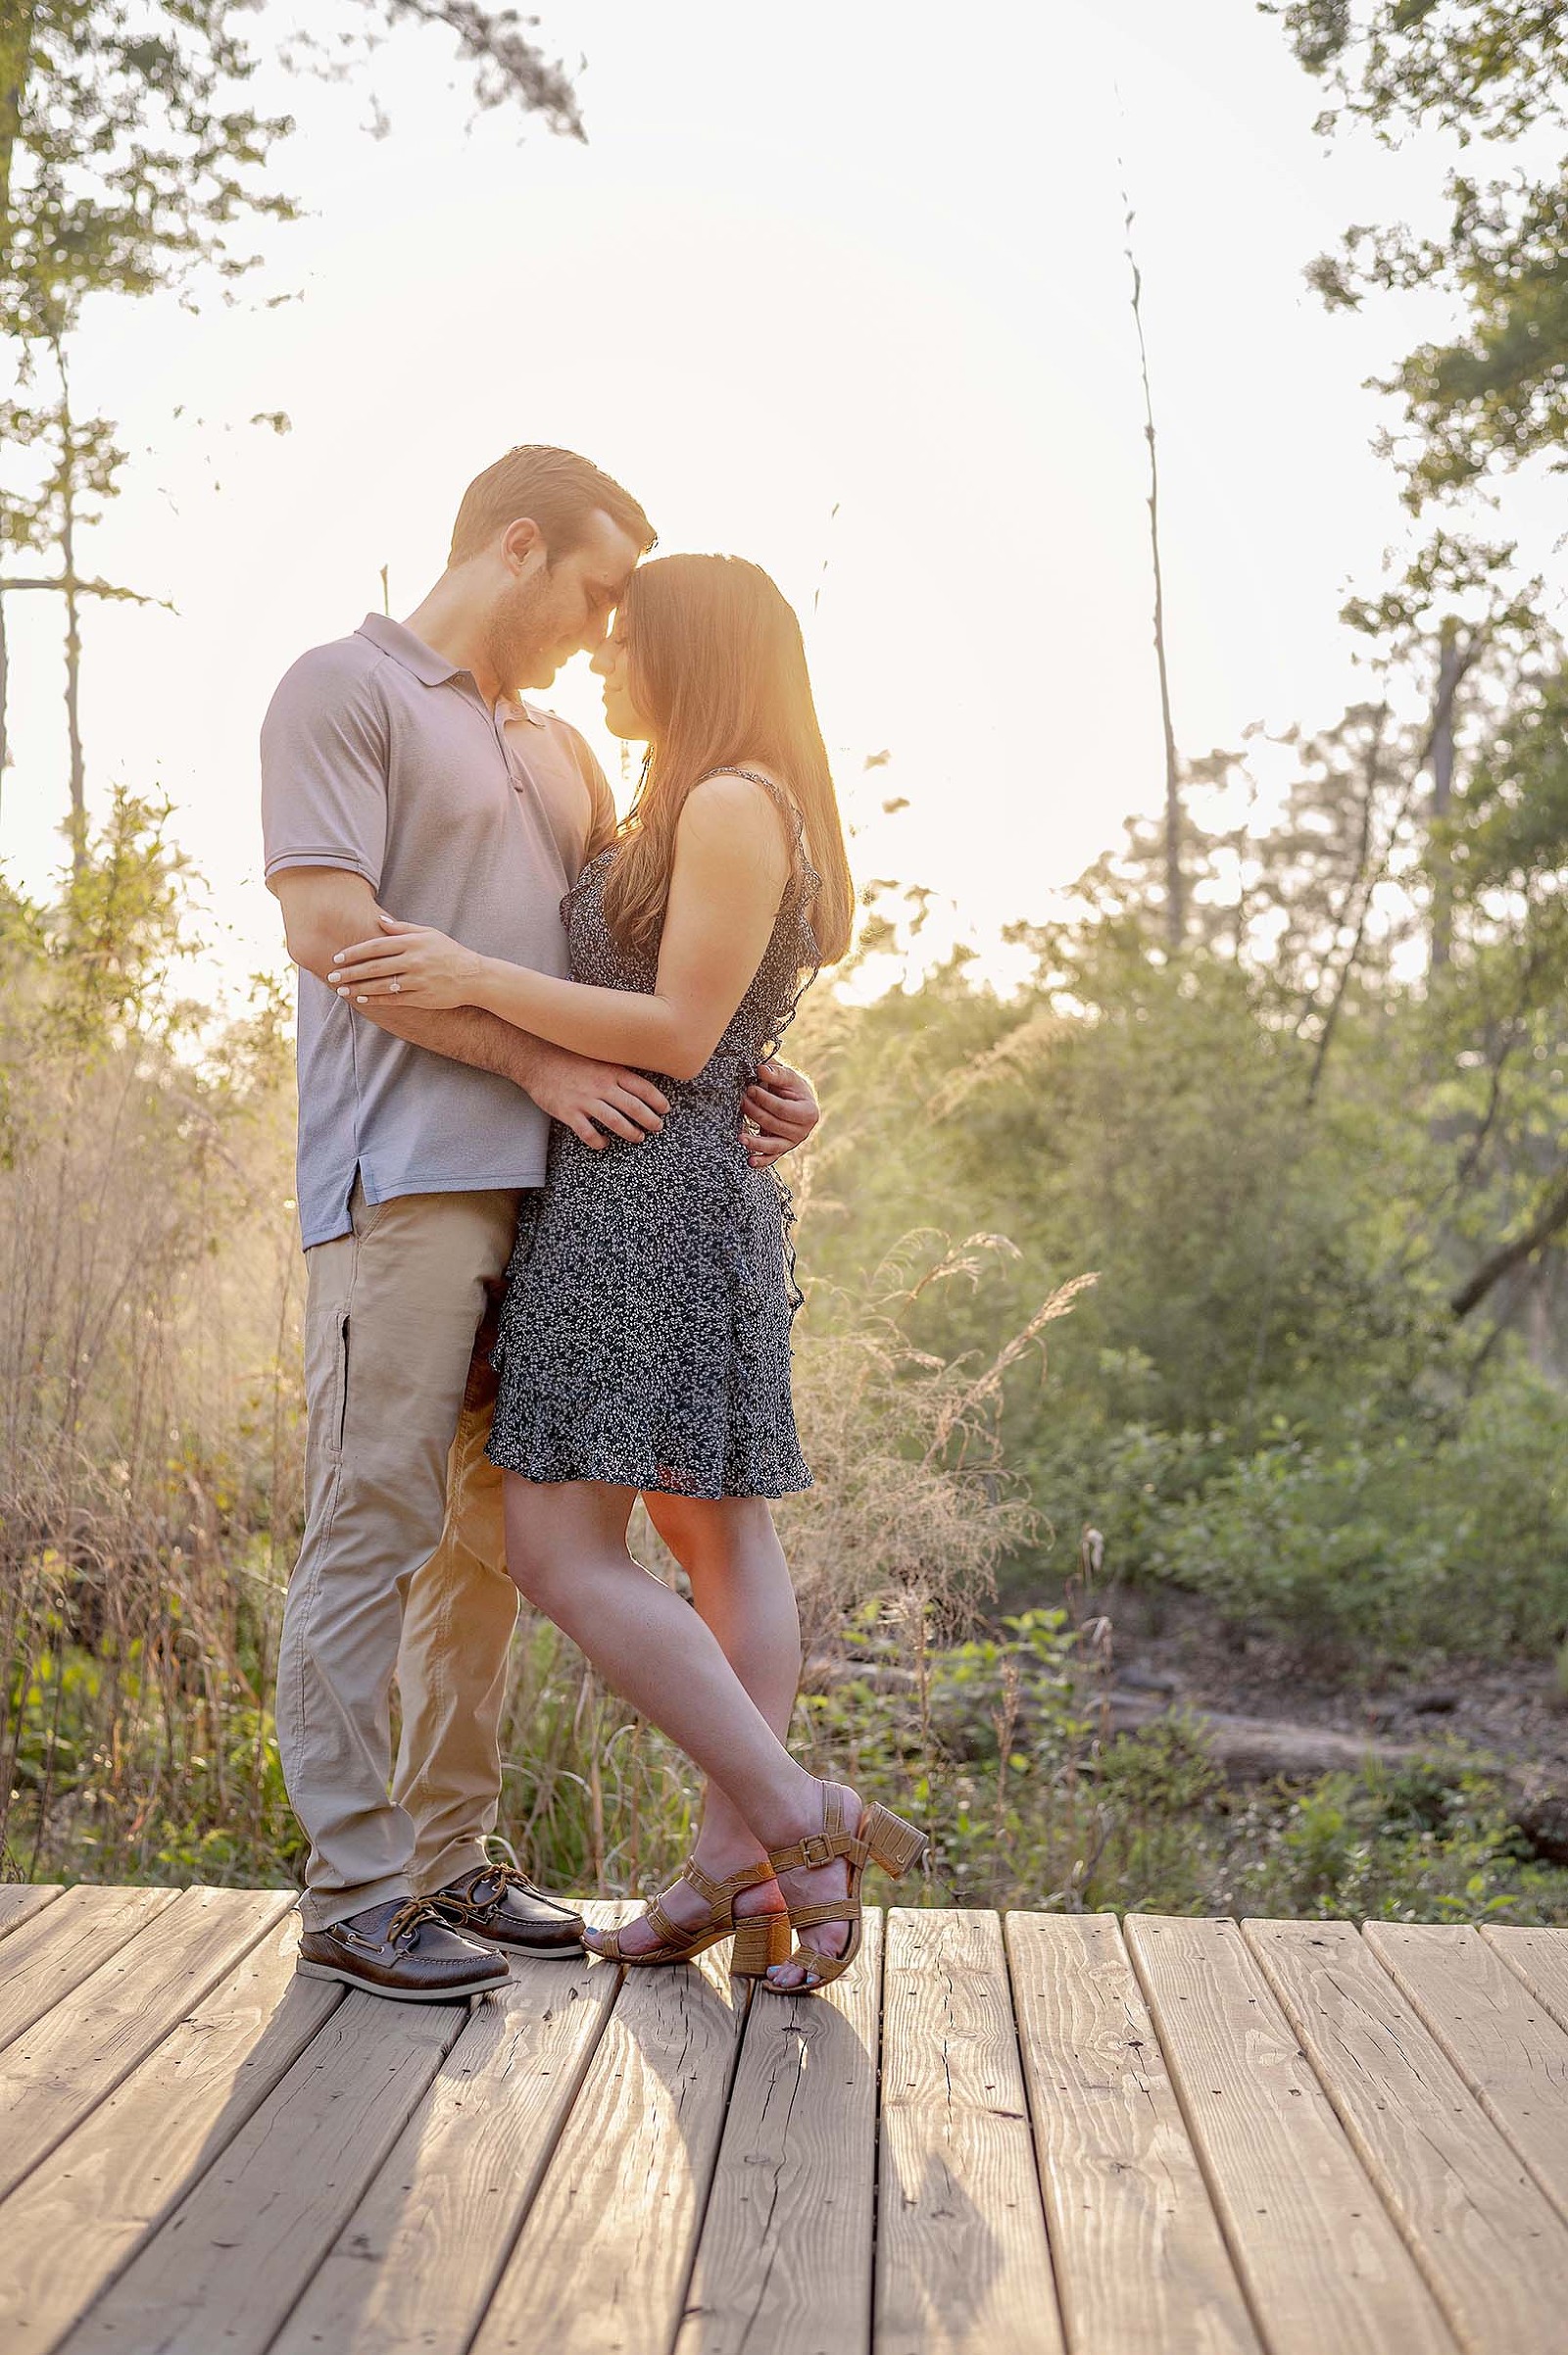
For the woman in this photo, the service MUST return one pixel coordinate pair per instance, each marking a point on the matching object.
(645, 1339)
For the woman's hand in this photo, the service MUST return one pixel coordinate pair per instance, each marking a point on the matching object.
(411, 962)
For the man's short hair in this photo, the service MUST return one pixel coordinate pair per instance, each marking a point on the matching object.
(556, 489)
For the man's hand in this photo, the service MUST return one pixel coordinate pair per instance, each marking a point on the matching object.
(326, 908)
(784, 1110)
(588, 1096)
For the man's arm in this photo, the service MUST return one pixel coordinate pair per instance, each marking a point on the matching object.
(326, 908)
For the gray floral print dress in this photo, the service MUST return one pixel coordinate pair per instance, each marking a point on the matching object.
(645, 1336)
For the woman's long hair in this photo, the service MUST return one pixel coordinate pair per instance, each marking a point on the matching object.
(717, 669)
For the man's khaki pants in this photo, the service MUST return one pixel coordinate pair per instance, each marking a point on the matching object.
(402, 1566)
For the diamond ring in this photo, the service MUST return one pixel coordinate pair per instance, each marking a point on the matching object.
(394, 987)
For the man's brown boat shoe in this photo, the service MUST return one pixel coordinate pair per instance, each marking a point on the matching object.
(497, 1903)
(406, 1950)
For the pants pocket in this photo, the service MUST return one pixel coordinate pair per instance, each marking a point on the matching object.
(342, 1384)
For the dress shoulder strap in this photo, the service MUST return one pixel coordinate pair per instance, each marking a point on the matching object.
(755, 776)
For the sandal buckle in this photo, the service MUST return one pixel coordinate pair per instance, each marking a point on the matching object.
(816, 1850)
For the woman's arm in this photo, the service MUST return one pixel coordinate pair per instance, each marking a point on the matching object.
(731, 865)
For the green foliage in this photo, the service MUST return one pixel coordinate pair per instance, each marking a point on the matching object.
(1424, 1844)
(1384, 1545)
(1264, 1398)
(127, 156)
(1494, 392)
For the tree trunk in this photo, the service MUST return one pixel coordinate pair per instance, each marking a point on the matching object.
(1550, 1216)
(1450, 670)
(16, 66)
(1175, 910)
(5, 700)
(67, 554)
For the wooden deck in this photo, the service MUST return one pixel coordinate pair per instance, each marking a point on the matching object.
(1044, 2133)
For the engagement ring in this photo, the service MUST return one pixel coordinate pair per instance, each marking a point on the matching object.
(395, 986)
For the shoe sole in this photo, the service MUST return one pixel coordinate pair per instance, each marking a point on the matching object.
(496, 1945)
(446, 1994)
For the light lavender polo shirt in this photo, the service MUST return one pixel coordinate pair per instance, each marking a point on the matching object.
(379, 757)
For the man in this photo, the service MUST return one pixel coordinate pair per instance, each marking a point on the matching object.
(402, 769)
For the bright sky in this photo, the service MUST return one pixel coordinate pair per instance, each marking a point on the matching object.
(841, 289)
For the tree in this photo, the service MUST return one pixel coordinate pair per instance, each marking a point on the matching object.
(128, 163)
(1494, 393)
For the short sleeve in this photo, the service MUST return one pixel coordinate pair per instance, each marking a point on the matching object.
(603, 818)
(325, 754)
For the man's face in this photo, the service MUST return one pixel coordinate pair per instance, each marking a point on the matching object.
(545, 612)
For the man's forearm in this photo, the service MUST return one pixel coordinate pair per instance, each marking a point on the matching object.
(465, 1035)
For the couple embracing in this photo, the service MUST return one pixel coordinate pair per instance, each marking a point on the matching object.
(536, 1044)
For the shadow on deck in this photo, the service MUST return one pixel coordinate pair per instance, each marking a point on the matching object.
(1047, 2133)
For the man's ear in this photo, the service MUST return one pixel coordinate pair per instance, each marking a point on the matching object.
(523, 546)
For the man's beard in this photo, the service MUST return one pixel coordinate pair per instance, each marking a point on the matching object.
(517, 633)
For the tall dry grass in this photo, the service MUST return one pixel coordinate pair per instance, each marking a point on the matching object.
(152, 1430)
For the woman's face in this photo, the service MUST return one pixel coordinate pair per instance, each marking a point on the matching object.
(612, 665)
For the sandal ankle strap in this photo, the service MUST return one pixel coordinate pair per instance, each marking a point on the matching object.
(817, 1850)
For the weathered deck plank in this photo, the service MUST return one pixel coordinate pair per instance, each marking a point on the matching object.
(246, 2242)
(110, 2184)
(1326, 2270)
(962, 2264)
(416, 2265)
(1540, 1959)
(785, 2259)
(42, 1960)
(20, 1900)
(1505, 2045)
(1277, 2139)
(621, 2203)
(1140, 2260)
(61, 2067)
(1490, 2244)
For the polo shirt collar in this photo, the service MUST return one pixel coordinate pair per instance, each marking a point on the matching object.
(433, 668)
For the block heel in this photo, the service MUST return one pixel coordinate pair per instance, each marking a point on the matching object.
(761, 1939)
(893, 1845)
(674, 1942)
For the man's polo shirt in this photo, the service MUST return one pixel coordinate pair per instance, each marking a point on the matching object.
(379, 757)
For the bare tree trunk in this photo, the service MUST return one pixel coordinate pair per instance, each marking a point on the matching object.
(1358, 883)
(1175, 910)
(4, 695)
(1451, 667)
(67, 556)
(16, 66)
(1550, 1218)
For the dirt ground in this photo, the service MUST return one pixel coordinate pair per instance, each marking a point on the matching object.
(1178, 1645)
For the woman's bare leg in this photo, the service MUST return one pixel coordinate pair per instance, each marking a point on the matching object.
(741, 1587)
(566, 1550)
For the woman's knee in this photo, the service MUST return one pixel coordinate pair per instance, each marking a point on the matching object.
(553, 1534)
(713, 1533)
(534, 1565)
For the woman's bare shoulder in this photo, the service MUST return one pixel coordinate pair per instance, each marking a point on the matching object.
(738, 810)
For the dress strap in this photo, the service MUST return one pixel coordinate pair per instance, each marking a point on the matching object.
(755, 776)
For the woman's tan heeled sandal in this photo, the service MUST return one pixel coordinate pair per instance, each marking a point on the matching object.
(760, 1938)
(880, 1838)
